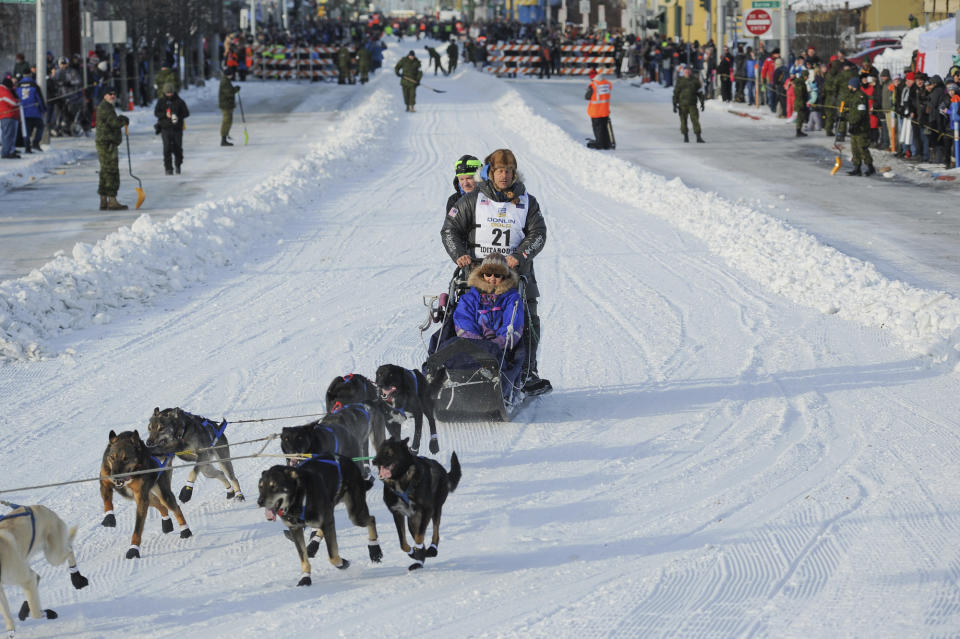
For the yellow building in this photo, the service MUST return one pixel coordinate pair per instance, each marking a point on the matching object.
(885, 15)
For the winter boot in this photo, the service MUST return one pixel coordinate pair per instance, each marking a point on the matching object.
(869, 171)
(855, 170)
(412, 110)
(829, 132)
(686, 137)
(700, 140)
(176, 169)
(168, 171)
(223, 141)
(113, 205)
(103, 202)
(801, 134)
(535, 386)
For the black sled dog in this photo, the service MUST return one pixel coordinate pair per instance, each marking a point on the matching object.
(406, 390)
(350, 389)
(305, 495)
(415, 489)
(127, 453)
(25, 531)
(173, 431)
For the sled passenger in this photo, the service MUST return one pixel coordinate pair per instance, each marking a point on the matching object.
(492, 309)
(499, 216)
(464, 179)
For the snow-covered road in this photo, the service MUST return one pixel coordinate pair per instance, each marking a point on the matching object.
(748, 436)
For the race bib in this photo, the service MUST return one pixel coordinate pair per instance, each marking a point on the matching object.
(499, 226)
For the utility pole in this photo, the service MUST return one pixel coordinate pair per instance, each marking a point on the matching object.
(41, 51)
(784, 36)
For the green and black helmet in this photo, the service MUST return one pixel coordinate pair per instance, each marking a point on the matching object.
(467, 165)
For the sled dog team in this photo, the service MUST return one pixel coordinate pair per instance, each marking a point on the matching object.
(325, 467)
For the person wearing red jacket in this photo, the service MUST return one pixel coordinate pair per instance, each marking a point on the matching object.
(766, 79)
(9, 119)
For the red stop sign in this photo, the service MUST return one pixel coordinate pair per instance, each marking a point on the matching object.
(758, 22)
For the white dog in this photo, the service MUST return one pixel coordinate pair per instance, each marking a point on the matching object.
(23, 531)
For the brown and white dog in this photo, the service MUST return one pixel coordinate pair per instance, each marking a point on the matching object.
(24, 531)
(127, 453)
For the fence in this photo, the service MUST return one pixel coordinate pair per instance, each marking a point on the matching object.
(287, 63)
(524, 59)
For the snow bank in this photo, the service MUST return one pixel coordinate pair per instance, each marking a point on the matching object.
(135, 264)
(783, 259)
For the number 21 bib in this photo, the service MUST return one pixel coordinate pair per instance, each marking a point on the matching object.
(499, 225)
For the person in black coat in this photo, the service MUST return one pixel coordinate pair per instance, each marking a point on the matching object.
(171, 111)
(464, 179)
(723, 70)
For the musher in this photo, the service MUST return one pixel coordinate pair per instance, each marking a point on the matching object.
(500, 216)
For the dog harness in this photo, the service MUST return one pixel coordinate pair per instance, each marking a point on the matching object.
(27, 512)
(416, 391)
(332, 462)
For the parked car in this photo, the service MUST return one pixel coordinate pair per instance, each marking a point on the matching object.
(870, 53)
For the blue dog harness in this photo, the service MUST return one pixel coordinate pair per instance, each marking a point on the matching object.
(332, 462)
(27, 512)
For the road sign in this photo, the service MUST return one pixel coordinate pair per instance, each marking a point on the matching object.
(759, 23)
(17, 1)
(766, 4)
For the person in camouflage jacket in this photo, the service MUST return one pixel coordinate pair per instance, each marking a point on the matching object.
(227, 101)
(687, 93)
(856, 113)
(109, 136)
(409, 71)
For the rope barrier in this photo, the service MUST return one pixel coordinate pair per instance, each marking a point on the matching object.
(258, 454)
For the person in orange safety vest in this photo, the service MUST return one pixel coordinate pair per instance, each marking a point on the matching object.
(599, 111)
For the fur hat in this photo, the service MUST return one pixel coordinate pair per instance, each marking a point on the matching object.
(502, 159)
(494, 263)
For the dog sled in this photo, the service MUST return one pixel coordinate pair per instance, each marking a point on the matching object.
(480, 381)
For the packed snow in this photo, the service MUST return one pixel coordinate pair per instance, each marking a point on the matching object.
(751, 433)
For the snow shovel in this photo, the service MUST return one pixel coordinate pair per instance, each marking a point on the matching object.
(426, 86)
(141, 196)
(243, 118)
(838, 162)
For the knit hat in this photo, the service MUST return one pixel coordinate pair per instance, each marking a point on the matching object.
(467, 165)
(108, 89)
(953, 86)
(494, 263)
(854, 83)
(502, 159)
(911, 75)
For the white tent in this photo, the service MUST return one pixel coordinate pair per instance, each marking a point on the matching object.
(939, 45)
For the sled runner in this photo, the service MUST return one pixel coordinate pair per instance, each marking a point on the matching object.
(480, 380)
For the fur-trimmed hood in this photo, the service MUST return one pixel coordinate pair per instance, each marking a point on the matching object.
(512, 280)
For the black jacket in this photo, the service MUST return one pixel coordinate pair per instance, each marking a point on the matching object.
(459, 225)
(167, 107)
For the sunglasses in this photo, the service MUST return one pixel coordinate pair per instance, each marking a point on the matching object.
(499, 276)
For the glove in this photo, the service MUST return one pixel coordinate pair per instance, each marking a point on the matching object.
(236, 89)
(156, 128)
(500, 341)
(124, 120)
(174, 118)
(702, 106)
(674, 107)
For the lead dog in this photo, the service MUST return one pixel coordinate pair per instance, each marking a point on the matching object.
(415, 489)
(306, 495)
(407, 390)
(23, 532)
(126, 453)
(173, 431)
